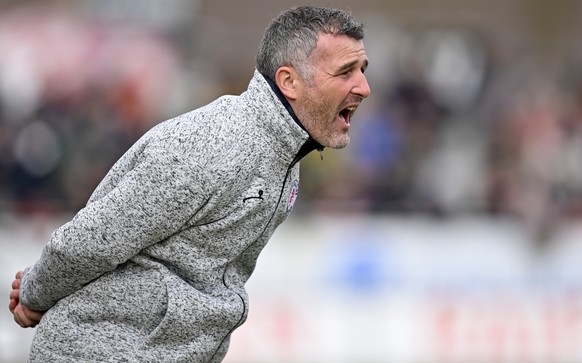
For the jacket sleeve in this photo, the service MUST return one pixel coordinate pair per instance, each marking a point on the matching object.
(150, 203)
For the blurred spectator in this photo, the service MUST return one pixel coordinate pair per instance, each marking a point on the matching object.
(391, 143)
(535, 153)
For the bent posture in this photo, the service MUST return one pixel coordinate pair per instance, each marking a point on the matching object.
(153, 268)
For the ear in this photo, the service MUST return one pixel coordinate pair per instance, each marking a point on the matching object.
(287, 79)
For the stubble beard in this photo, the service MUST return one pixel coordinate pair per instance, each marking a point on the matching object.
(320, 119)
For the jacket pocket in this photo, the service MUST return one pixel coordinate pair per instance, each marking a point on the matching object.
(194, 322)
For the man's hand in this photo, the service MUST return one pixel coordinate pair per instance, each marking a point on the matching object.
(25, 317)
(15, 293)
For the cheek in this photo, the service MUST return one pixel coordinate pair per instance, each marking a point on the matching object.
(330, 105)
(337, 98)
(322, 106)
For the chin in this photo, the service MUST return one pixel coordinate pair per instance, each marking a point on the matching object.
(339, 144)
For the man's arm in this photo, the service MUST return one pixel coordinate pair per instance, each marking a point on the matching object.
(151, 202)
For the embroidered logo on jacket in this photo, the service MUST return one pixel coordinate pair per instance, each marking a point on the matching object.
(292, 195)
(260, 196)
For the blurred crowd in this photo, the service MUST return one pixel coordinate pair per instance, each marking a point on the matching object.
(452, 132)
(74, 95)
(447, 132)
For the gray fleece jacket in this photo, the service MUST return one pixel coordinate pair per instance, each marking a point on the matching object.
(153, 268)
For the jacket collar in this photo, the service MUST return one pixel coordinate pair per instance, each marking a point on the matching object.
(295, 139)
(283, 100)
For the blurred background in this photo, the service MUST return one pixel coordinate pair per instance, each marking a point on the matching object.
(448, 231)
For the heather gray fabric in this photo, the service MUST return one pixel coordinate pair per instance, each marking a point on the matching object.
(153, 268)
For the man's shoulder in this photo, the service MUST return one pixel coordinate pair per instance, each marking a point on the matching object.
(210, 134)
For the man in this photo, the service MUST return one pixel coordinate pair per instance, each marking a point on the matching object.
(153, 268)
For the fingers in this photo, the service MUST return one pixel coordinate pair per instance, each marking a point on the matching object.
(22, 319)
(25, 317)
(14, 300)
(12, 305)
(32, 314)
(14, 295)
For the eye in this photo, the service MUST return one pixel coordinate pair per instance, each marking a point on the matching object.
(364, 66)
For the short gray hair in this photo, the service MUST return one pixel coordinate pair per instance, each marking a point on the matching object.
(290, 38)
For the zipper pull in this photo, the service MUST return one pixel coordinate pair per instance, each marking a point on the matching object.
(321, 153)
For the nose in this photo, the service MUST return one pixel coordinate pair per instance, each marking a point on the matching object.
(362, 88)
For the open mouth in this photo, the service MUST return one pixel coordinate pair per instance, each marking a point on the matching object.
(347, 113)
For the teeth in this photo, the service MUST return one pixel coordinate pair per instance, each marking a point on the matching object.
(351, 109)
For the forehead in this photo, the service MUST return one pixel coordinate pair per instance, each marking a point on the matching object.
(333, 49)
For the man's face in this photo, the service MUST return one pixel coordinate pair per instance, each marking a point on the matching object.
(325, 104)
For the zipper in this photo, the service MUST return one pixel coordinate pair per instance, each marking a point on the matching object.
(308, 147)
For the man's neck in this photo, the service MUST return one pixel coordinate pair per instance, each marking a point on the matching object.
(283, 100)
